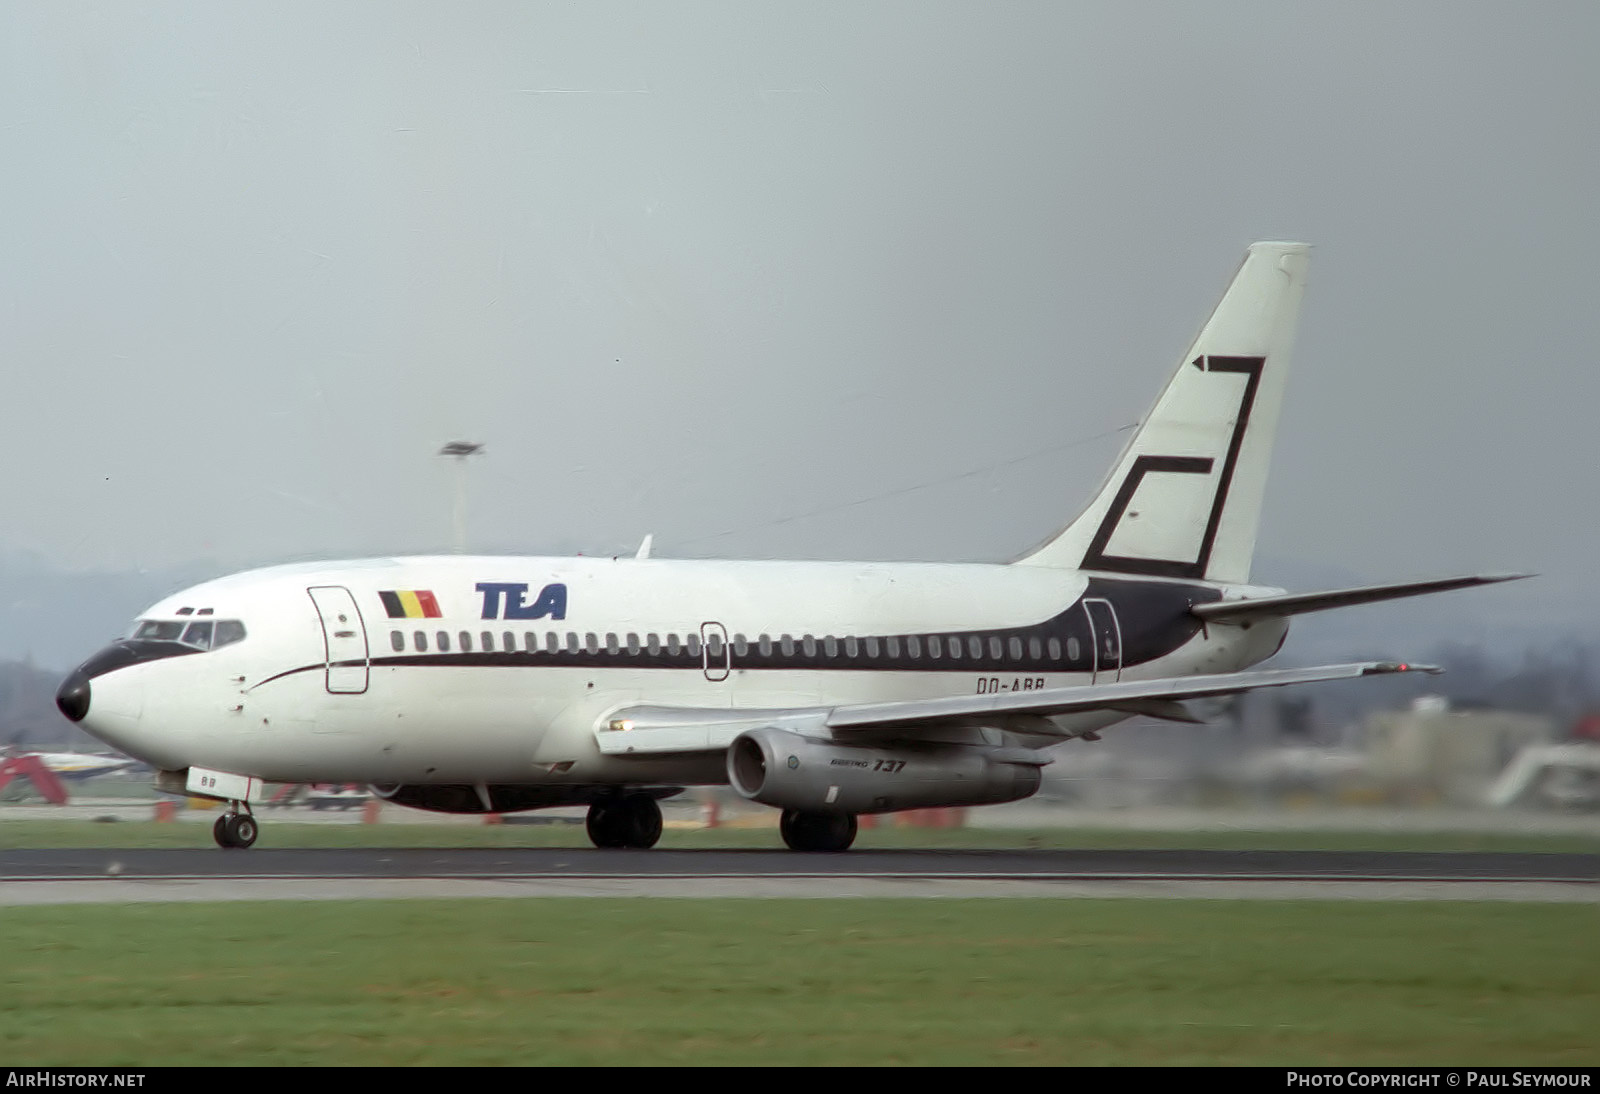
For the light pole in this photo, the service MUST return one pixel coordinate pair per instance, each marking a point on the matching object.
(461, 450)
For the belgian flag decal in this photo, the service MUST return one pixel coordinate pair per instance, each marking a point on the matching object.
(410, 604)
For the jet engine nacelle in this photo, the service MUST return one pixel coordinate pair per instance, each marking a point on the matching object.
(792, 771)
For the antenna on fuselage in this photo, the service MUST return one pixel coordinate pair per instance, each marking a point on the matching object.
(461, 450)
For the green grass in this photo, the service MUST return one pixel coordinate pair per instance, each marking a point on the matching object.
(649, 981)
(276, 832)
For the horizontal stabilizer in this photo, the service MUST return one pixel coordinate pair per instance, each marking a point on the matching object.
(1277, 607)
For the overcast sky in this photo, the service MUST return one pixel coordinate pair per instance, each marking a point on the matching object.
(719, 271)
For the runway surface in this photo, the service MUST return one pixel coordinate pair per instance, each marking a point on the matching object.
(68, 876)
(499, 863)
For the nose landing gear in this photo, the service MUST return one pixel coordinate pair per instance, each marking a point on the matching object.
(235, 829)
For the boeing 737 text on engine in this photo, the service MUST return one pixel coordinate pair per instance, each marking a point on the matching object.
(826, 690)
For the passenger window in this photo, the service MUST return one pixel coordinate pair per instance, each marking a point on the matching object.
(872, 647)
(1055, 649)
(975, 646)
(786, 644)
(1035, 648)
(552, 642)
(740, 645)
(913, 647)
(1072, 649)
(652, 643)
(852, 648)
(764, 644)
(444, 641)
(633, 643)
(673, 645)
(466, 642)
(1015, 645)
(572, 641)
(397, 641)
(809, 644)
(510, 642)
(419, 639)
(488, 643)
(994, 647)
(591, 642)
(692, 644)
(935, 647)
(612, 645)
(714, 645)
(530, 641)
(830, 646)
(955, 646)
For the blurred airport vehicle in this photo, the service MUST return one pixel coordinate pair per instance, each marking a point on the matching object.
(1562, 775)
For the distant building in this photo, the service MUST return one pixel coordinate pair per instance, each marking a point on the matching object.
(1431, 752)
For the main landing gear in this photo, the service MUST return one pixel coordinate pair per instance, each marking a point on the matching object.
(633, 820)
(235, 829)
(817, 831)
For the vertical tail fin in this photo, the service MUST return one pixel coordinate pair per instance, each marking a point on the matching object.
(1184, 498)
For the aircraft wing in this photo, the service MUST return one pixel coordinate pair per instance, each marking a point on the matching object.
(647, 730)
(1240, 611)
(1130, 696)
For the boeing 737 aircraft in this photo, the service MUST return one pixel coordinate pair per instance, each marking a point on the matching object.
(824, 689)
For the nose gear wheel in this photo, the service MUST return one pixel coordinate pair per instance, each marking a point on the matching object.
(235, 830)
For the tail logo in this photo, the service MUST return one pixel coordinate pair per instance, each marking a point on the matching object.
(1096, 558)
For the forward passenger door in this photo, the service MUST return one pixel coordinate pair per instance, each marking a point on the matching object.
(344, 636)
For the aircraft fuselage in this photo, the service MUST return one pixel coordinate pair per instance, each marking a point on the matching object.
(501, 669)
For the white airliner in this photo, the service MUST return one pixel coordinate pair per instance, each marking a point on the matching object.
(825, 689)
(80, 765)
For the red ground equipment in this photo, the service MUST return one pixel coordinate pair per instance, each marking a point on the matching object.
(33, 769)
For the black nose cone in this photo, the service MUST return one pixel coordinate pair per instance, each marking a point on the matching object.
(73, 698)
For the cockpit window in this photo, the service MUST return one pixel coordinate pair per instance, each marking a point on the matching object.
(202, 634)
(198, 634)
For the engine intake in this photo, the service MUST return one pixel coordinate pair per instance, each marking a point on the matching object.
(791, 771)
